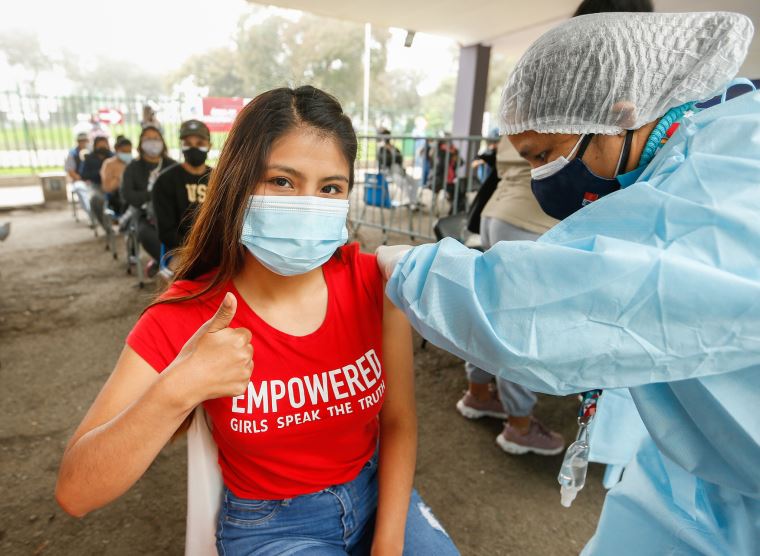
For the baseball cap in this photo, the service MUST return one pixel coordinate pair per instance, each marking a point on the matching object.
(82, 137)
(194, 127)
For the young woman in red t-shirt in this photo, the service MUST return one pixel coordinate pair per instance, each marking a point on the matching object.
(285, 337)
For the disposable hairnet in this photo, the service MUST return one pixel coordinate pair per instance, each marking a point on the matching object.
(607, 72)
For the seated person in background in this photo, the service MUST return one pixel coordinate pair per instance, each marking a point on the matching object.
(182, 187)
(512, 213)
(485, 162)
(112, 171)
(75, 157)
(71, 166)
(387, 153)
(390, 162)
(136, 185)
(90, 172)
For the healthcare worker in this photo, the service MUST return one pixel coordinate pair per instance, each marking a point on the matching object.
(652, 280)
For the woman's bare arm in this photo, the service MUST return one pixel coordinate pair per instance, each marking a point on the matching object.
(398, 434)
(138, 410)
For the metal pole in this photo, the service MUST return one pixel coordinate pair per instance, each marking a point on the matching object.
(367, 60)
(30, 146)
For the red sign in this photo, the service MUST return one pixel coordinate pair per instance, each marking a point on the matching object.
(220, 112)
(110, 116)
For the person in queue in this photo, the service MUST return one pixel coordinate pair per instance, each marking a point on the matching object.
(112, 171)
(137, 184)
(650, 283)
(89, 170)
(181, 189)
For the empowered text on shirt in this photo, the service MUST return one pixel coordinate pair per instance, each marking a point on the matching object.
(328, 387)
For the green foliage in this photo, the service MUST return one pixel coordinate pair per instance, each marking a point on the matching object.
(275, 51)
(267, 50)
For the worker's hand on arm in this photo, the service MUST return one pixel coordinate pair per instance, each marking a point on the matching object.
(388, 256)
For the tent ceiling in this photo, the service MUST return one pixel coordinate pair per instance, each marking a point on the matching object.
(507, 25)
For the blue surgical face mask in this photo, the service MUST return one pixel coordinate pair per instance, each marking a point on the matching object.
(126, 158)
(564, 186)
(292, 235)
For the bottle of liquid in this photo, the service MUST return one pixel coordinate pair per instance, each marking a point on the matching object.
(572, 474)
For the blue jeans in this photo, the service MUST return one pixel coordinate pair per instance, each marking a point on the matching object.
(338, 520)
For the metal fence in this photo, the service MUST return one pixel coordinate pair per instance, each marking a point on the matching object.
(403, 184)
(406, 185)
(37, 131)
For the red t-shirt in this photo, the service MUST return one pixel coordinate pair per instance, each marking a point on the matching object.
(309, 418)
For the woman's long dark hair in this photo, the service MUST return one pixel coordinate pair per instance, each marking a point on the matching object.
(213, 243)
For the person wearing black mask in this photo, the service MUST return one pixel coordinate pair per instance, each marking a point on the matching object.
(182, 187)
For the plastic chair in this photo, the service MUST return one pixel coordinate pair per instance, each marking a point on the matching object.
(109, 216)
(81, 191)
(376, 191)
(377, 194)
(133, 251)
(204, 487)
(163, 264)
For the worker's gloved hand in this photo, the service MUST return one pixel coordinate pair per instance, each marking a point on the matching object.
(388, 257)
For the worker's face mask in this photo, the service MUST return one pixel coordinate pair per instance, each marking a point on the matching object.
(292, 235)
(564, 186)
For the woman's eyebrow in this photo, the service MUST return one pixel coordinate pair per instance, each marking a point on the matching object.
(287, 170)
(336, 177)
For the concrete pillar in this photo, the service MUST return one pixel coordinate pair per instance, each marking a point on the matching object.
(472, 87)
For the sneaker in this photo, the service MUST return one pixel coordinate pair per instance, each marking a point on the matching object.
(539, 440)
(152, 268)
(472, 408)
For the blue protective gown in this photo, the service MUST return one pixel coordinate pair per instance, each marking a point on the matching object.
(655, 288)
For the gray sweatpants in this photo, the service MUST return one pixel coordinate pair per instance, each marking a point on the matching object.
(517, 400)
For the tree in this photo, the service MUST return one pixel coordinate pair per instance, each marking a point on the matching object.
(113, 77)
(218, 70)
(439, 106)
(275, 51)
(23, 50)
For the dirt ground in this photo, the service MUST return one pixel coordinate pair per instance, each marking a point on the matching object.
(66, 307)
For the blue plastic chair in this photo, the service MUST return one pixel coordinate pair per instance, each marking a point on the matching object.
(376, 192)
(163, 263)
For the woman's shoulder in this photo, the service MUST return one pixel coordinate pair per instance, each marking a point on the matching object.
(362, 268)
(166, 325)
(351, 255)
(188, 295)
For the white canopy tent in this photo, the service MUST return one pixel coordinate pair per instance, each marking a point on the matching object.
(502, 24)
(505, 26)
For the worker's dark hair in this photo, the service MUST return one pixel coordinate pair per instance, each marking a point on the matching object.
(598, 6)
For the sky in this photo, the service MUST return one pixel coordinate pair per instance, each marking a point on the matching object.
(158, 30)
